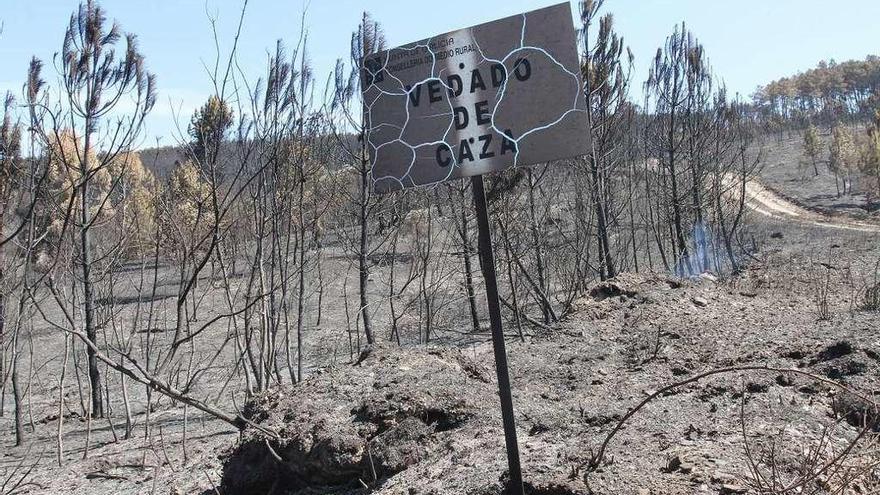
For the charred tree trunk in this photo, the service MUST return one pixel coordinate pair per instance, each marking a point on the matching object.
(537, 242)
(86, 265)
(469, 287)
(2, 345)
(675, 199)
(466, 251)
(16, 393)
(607, 269)
(363, 267)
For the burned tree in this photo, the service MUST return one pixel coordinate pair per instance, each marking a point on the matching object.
(367, 40)
(10, 173)
(699, 158)
(95, 78)
(606, 83)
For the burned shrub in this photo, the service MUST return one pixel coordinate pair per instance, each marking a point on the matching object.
(871, 299)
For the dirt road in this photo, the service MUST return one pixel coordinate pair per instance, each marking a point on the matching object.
(768, 203)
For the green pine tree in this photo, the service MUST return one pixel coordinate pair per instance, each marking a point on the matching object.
(813, 147)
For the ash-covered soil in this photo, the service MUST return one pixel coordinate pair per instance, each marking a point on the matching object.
(417, 420)
(421, 421)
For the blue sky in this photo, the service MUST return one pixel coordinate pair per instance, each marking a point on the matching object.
(749, 42)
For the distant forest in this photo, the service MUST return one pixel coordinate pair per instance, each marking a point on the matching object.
(829, 92)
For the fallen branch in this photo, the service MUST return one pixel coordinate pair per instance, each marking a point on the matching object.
(144, 377)
(812, 465)
(596, 459)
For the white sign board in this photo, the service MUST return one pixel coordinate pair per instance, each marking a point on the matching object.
(482, 99)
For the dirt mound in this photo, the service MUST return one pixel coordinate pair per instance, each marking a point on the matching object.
(634, 286)
(857, 412)
(358, 425)
(624, 291)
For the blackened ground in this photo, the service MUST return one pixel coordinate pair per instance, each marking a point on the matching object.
(426, 421)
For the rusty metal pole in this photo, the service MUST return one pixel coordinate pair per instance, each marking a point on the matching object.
(487, 260)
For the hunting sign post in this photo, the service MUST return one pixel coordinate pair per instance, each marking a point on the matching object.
(462, 104)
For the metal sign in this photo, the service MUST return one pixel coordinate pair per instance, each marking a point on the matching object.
(477, 100)
(474, 101)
